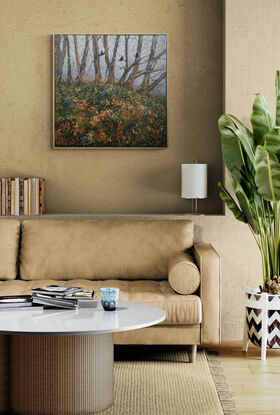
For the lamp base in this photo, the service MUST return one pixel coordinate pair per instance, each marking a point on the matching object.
(194, 209)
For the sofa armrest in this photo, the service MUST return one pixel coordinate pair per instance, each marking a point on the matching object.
(208, 262)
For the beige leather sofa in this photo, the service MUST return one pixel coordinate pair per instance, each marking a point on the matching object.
(152, 262)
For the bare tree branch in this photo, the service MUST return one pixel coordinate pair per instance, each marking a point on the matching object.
(133, 74)
(146, 79)
(69, 69)
(156, 82)
(81, 66)
(151, 71)
(159, 55)
(57, 54)
(106, 52)
(84, 58)
(60, 56)
(110, 71)
(126, 39)
(129, 68)
(96, 62)
(77, 56)
(111, 77)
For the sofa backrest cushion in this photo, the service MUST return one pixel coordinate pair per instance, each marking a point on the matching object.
(9, 243)
(101, 249)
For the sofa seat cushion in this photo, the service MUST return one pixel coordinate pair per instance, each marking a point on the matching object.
(180, 309)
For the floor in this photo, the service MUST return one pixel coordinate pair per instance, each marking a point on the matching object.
(255, 384)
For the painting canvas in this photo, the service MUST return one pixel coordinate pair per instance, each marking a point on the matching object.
(110, 91)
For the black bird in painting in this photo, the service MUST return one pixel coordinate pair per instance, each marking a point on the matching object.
(121, 59)
(136, 55)
(102, 53)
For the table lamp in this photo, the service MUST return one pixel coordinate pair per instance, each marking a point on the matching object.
(194, 183)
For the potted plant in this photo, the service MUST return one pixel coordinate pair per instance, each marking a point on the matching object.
(252, 159)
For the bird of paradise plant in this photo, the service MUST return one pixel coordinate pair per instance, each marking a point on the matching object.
(252, 159)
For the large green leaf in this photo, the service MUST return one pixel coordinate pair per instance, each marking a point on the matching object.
(232, 147)
(247, 208)
(261, 119)
(272, 141)
(231, 204)
(263, 207)
(267, 174)
(277, 85)
(245, 131)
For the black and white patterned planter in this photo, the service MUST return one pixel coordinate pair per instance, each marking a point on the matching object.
(262, 321)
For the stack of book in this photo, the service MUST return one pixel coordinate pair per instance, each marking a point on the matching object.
(20, 196)
(16, 302)
(63, 297)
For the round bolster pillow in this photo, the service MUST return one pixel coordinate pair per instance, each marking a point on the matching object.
(183, 274)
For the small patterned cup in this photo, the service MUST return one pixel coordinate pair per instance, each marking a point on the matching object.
(109, 298)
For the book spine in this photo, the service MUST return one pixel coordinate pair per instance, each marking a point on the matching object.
(42, 196)
(29, 197)
(37, 196)
(13, 194)
(0, 197)
(21, 197)
(16, 196)
(9, 195)
(6, 196)
(33, 196)
(25, 197)
(3, 204)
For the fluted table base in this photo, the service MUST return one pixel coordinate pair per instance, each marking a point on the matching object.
(59, 375)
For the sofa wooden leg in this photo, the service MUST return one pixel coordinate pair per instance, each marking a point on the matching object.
(192, 353)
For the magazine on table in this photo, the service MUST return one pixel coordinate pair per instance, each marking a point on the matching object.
(16, 302)
(64, 292)
(63, 297)
(56, 302)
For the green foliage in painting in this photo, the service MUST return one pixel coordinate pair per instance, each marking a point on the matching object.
(93, 115)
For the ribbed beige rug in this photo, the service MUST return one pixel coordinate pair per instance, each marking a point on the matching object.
(161, 382)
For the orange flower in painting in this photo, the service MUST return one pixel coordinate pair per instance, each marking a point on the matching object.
(94, 121)
(101, 136)
(82, 105)
(78, 130)
(64, 126)
(105, 115)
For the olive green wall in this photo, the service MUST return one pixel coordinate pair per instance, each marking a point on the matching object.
(107, 181)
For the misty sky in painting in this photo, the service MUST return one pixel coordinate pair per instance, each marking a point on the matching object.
(160, 66)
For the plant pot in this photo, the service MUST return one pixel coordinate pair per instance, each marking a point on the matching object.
(262, 320)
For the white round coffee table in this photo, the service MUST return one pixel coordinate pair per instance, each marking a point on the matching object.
(61, 361)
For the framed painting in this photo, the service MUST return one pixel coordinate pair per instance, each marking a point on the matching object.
(110, 91)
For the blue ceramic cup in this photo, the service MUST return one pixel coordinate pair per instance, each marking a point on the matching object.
(109, 298)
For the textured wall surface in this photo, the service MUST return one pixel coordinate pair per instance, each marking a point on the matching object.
(106, 181)
(252, 54)
(132, 181)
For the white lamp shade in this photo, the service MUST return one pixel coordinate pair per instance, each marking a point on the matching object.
(194, 181)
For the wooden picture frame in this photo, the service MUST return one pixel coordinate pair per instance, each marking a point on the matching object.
(109, 91)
